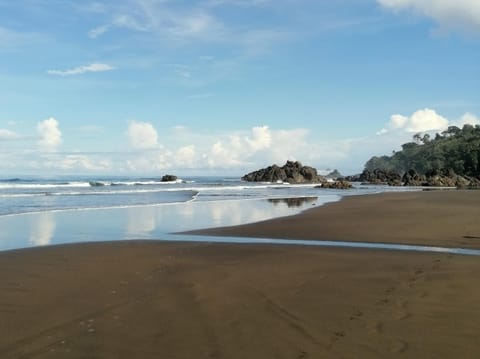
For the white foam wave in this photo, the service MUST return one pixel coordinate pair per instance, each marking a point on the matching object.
(20, 195)
(56, 210)
(42, 185)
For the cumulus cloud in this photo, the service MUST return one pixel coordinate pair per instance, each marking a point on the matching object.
(185, 156)
(261, 138)
(447, 13)
(152, 161)
(263, 145)
(50, 134)
(142, 135)
(6, 135)
(425, 120)
(236, 150)
(81, 162)
(95, 67)
(420, 121)
(467, 119)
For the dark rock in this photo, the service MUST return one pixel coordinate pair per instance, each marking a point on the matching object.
(341, 184)
(380, 176)
(442, 178)
(474, 183)
(412, 178)
(353, 178)
(291, 172)
(96, 184)
(169, 178)
(439, 178)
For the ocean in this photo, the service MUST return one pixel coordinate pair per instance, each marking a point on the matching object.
(37, 211)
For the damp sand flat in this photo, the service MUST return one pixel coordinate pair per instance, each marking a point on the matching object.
(184, 300)
(198, 300)
(448, 218)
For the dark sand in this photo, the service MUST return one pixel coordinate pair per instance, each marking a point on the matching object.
(447, 218)
(187, 300)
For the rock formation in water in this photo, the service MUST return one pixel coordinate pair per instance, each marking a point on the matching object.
(291, 172)
(169, 178)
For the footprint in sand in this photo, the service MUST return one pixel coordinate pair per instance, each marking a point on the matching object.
(436, 264)
(383, 301)
(399, 347)
(356, 315)
(389, 290)
(335, 337)
(402, 303)
(401, 315)
(423, 294)
(376, 327)
(303, 354)
(418, 272)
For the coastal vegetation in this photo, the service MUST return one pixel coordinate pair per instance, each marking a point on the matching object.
(454, 149)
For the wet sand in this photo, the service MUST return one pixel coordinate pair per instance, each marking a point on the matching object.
(149, 299)
(447, 218)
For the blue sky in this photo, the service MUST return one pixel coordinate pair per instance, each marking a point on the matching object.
(228, 86)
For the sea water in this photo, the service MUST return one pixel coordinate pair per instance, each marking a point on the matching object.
(41, 211)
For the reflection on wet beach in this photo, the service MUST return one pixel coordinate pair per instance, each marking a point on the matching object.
(294, 202)
(42, 229)
(142, 222)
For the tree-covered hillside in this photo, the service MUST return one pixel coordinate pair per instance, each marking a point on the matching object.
(455, 148)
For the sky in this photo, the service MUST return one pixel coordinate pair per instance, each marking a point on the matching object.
(229, 86)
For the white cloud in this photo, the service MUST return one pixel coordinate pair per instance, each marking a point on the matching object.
(261, 139)
(128, 22)
(6, 135)
(50, 134)
(467, 119)
(176, 24)
(201, 96)
(11, 39)
(420, 121)
(142, 135)
(152, 161)
(80, 162)
(100, 30)
(95, 67)
(447, 13)
(185, 157)
(238, 2)
(260, 41)
(263, 146)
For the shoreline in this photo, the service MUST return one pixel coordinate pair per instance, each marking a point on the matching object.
(149, 299)
(429, 218)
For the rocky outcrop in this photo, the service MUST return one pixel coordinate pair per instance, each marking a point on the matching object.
(448, 178)
(412, 178)
(169, 178)
(96, 184)
(291, 172)
(439, 178)
(378, 176)
(340, 184)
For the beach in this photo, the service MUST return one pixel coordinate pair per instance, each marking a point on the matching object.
(447, 218)
(154, 299)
